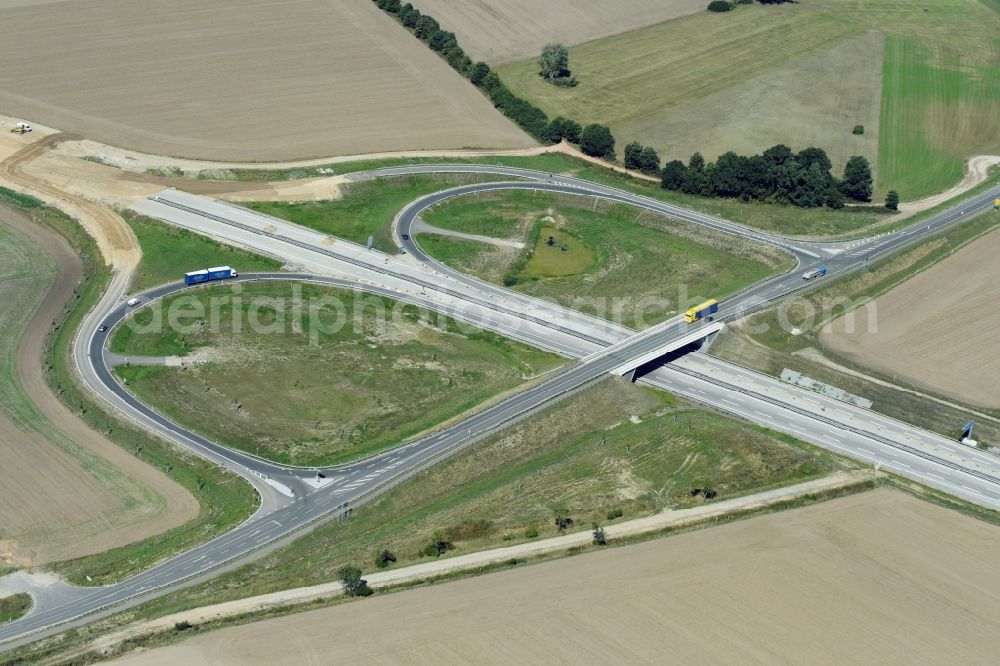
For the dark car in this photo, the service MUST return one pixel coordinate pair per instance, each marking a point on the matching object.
(406, 236)
(102, 328)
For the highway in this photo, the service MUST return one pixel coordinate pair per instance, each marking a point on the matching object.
(294, 499)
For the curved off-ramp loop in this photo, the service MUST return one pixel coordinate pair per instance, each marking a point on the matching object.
(284, 514)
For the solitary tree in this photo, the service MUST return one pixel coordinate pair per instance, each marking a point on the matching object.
(354, 584)
(600, 539)
(597, 141)
(857, 183)
(892, 200)
(554, 61)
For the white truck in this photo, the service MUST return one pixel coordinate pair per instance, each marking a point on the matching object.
(814, 273)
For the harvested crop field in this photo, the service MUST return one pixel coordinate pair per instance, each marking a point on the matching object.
(66, 491)
(937, 329)
(875, 577)
(499, 31)
(246, 80)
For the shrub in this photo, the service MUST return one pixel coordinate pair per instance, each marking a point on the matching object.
(859, 129)
(384, 559)
(531, 532)
(438, 546)
(615, 513)
(183, 625)
(892, 200)
(719, 6)
(600, 538)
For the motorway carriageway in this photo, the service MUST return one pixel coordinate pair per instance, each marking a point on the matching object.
(278, 520)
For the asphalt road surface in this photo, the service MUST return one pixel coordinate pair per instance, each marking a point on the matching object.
(293, 500)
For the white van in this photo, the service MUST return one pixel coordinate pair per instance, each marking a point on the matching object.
(132, 302)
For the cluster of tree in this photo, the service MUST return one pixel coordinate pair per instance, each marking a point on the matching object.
(642, 158)
(801, 179)
(594, 140)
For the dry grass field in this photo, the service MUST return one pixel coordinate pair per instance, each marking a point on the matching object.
(815, 102)
(797, 73)
(500, 31)
(872, 578)
(239, 79)
(65, 491)
(937, 329)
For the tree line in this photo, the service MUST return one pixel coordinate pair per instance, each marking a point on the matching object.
(595, 140)
(801, 179)
(778, 174)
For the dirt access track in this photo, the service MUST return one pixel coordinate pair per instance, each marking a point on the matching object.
(244, 80)
(53, 507)
(937, 329)
(875, 577)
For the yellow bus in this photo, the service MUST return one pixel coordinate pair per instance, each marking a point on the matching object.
(699, 311)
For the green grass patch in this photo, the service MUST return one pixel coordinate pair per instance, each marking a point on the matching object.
(225, 500)
(937, 109)
(556, 254)
(580, 458)
(366, 209)
(18, 200)
(168, 252)
(14, 606)
(306, 395)
(619, 262)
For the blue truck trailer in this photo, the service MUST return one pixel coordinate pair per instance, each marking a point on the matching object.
(209, 274)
